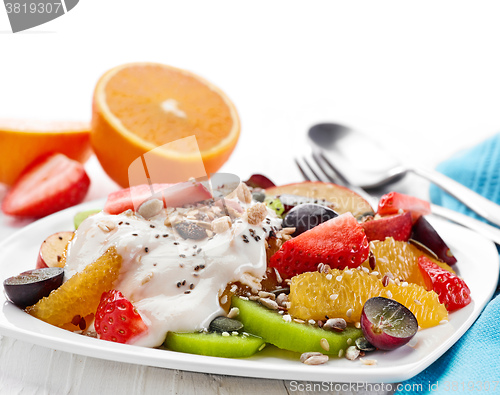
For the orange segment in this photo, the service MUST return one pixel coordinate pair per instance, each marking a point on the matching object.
(21, 142)
(399, 260)
(80, 295)
(342, 294)
(140, 106)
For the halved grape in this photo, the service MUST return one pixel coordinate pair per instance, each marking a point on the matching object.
(387, 324)
(306, 216)
(29, 287)
(424, 233)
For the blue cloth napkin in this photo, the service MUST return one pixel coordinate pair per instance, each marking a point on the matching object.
(472, 365)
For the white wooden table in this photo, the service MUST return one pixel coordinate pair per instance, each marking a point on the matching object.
(423, 78)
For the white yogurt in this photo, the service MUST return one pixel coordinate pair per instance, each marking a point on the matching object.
(173, 283)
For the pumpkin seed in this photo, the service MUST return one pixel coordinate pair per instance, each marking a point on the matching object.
(224, 324)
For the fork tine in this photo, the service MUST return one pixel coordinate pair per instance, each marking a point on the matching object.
(326, 173)
(318, 173)
(342, 180)
(303, 169)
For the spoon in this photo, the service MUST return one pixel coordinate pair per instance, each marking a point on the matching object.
(340, 143)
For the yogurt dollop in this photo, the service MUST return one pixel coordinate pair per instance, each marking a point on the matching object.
(174, 283)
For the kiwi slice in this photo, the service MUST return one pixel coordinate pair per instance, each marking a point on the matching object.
(214, 344)
(292, 336)
(82, 216)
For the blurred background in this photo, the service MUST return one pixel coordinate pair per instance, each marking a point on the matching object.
(423, 78)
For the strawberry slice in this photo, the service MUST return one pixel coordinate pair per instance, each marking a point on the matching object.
(173, 195)
(393, 202)
(338, 242)
(51, 183)
(116, 318)
(453, 292)
(397, 226)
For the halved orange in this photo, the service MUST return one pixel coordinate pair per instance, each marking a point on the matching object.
(138, 107)
(23, 141)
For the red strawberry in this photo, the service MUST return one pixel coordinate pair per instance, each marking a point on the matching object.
(338, 242)
(392, 202)
(173, 195)
(396, 226)
(116, 318)
(452, 290)
(49, 184)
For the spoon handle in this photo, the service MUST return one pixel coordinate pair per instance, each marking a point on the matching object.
(488, 231)
(482, 206)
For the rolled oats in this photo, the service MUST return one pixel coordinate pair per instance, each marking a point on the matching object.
(220, 225)
(150, 208)
(256, 214)
(243, 193)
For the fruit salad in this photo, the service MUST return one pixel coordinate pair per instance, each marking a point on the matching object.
(307, 267)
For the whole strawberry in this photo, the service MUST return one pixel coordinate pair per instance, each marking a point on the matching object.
(116, 318)
(338, 242)
(453, 292)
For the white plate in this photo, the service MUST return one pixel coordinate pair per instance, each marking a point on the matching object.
(478, 264)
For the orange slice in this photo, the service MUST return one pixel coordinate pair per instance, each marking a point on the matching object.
(138, 107)
(80, 295)
(342, 294)
(399, 260)
(21, 142)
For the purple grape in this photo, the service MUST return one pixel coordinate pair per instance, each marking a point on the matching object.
(306, 216)
(29, 287)
(387, 324)
(291, 201)
(424, 233)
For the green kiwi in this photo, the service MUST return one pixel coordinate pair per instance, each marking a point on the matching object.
(214, 344)
(293, 336)
(82, 216)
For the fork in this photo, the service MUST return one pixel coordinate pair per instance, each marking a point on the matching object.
(317, 167)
